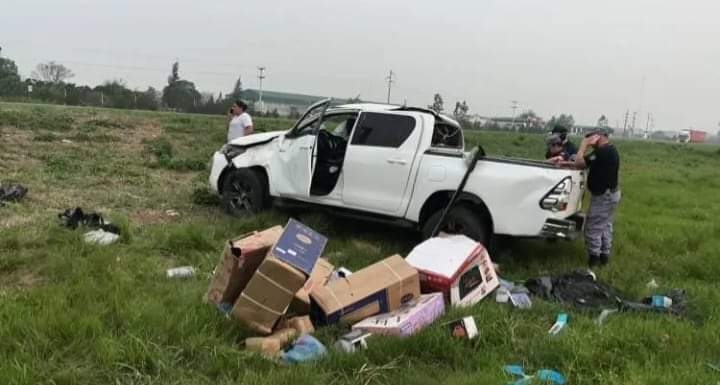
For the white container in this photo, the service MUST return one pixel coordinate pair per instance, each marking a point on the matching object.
(181, 272)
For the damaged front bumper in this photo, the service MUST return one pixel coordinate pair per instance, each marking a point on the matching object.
(218, 164)
(567, 228)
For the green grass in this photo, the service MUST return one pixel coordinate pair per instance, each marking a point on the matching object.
(72, 313)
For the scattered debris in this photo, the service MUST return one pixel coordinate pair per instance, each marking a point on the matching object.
(181, 272)
(303, 325)
(172, 213)
(579, 288)
(545, 376)
(379, 288)
(559, 325)
(306, 348)
(463, 328)
(455, 265)
(408, 319)
(652, 285)
(12, 193)
(603, 316)
(67, 141)
(100, 237)
(502, 295)
(353, 341)
(73, 218)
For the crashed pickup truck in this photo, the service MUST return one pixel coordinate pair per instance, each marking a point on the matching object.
(399, 165)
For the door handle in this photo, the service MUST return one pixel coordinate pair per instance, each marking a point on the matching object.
(305, 147)
(397, 161)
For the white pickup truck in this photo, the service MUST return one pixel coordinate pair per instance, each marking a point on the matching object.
(400, 165)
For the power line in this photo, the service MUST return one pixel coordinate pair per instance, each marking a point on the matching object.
(514, 107)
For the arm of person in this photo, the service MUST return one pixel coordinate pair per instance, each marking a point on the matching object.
(248, 123)
(580, 156)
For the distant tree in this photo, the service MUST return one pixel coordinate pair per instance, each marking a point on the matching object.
(180, 94)
(148, 100)
(602, 121)
(10, 83)
(353, 100)
(237, 89)
(116, 94)
(274, 113)
(563, 120)
(52, 72)
(294, 113)
(437, 104)
(174, 73)
(531, 121)
(461, 110)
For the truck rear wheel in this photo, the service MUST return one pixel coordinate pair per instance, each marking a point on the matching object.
(243, 193)
(460, 220)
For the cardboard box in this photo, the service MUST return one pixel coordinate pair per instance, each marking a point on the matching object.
(300, 305)
(406, 320)
(455, 265)
(302, 325)
(240, 259)
(268, 294)
(283, 272)
(299, 246)
(378, 288)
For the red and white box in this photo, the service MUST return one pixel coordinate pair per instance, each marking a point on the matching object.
(455, 265)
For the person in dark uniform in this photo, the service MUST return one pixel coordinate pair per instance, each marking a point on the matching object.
(560, 148)
(603, 164)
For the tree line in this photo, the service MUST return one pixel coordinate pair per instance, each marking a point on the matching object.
(50, 83)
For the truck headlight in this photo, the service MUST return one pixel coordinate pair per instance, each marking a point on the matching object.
(231, 151)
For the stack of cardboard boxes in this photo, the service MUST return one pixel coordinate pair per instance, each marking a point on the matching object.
(274, 281)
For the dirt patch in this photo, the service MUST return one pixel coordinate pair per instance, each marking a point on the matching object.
(22, 279)
(153, 216)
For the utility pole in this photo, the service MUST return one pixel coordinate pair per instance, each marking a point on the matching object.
(632, 126)
(625, 124)
(261, 76)
(390, 81)
(514, 107)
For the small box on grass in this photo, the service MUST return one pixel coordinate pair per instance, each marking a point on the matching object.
(406, 320)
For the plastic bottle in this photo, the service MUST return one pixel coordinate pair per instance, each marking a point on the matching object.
(181, 272)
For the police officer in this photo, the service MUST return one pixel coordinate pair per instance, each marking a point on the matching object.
(603, 164)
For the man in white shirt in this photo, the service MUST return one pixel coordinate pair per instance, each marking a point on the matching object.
(239, 122)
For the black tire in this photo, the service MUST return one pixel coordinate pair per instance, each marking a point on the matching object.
(244, 193)
(460, 220)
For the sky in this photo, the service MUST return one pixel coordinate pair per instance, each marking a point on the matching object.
(580, 57)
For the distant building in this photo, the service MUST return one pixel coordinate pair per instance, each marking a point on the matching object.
(284, 102)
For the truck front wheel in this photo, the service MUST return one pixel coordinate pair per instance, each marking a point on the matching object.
(243, 193)
(460, 220)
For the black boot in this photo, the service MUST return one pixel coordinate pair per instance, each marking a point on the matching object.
(604, 259)
(593, 260)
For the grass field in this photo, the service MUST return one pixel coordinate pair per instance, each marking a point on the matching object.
(73, 313)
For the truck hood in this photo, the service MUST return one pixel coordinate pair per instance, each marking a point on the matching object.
(262, 137)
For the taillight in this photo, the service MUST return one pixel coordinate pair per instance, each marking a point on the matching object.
(557, 199)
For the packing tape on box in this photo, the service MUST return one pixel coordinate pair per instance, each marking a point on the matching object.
(258, 304)
(399, 278)
(279, 286)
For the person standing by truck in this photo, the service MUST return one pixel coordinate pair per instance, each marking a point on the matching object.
(239, 121)
(603, 164)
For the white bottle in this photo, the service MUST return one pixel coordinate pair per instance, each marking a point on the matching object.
(181, 272)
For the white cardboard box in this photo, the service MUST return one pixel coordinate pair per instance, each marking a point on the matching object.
(455, 265)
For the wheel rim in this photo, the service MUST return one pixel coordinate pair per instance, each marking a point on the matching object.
(240, 197)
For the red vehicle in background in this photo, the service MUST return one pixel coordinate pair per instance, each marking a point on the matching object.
(691, 136)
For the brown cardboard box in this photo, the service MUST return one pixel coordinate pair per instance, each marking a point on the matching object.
(300, 305)
(268, 294)
(241, 258)
(302, 325)
(378, 288)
